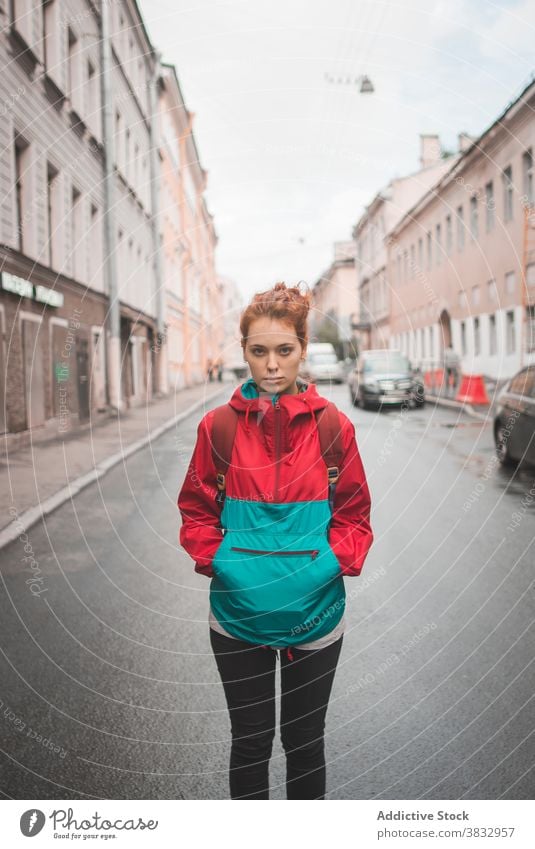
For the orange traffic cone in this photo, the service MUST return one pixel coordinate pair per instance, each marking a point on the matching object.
(439, 377)
(428, 379)
(472, 390)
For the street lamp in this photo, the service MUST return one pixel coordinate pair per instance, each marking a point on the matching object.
(366, 85)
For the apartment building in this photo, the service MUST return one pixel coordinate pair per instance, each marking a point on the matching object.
(52, 301)
(134, 240)
(372, 230)
(193, 296)
(462, 260)
(335, 303)
(233, 306)
(79, 231)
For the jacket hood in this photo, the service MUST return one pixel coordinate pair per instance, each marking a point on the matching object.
(247, 399)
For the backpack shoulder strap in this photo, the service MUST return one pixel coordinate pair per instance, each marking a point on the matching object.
(332, 449)
(223, 433)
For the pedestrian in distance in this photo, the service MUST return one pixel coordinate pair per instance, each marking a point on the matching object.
(275, 510)
(218, 367)
(210, 369)
(451, 369)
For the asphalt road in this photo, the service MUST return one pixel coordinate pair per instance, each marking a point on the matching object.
(109, 688)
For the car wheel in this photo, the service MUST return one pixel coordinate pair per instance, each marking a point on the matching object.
(502, 449)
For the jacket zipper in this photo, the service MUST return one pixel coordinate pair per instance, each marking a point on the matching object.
(277, 447)
(312, 551)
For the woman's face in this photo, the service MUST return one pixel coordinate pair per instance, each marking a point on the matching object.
(273, 350)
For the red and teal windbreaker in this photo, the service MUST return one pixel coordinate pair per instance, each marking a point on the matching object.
(275, 552)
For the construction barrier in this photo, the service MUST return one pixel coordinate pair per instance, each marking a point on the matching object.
(433, 378)
(472, 390)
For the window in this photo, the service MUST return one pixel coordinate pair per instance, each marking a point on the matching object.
(75, 87)
(420, 254)
(95, 254)
(462, 300)
(474, 227)
(492, 334)
(522, 383)
(405, 265)
(507, 178)
(52, 208)
(438, 231)
(463, 338)
(460, 228)
(477, 337)
(510, 282)
(530, 329)
(489, 205)
(136, 166)
(530, 274)
(130, 276)
(22, 190)
(93, 100)
(449, 235)
(127, 153)
(475, 295)
(118, 139)
(77, 232)
(413, 260)
(510, 340)
(23, 20)
(491, 290)
(52, 33)
(527, 175)
(429, 249)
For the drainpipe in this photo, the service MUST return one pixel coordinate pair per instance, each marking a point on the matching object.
(155, 176)
(113, 324)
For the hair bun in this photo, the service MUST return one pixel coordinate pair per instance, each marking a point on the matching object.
(287, 303)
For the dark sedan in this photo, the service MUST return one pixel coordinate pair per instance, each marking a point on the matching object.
(514, 422)
(384, 377)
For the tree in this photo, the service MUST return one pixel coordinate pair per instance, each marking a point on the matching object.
(328, 332)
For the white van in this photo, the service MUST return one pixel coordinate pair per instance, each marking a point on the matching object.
(322, 363)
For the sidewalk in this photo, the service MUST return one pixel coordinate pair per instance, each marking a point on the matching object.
(484, 412)
(39, 478)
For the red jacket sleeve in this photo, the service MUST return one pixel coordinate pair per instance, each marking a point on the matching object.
(350, 534)
(200, 532)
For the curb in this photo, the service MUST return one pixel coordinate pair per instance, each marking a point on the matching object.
(458, 405)
(33, 515)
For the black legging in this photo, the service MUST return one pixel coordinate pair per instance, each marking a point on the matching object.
(248, 675)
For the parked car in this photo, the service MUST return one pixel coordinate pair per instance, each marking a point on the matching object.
(384, 377)
(321, 363)
(514, 422)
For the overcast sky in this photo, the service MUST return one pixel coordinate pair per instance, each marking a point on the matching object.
(292, 159)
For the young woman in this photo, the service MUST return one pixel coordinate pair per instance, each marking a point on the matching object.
(276, 545)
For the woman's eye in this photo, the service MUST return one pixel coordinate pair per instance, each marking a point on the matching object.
(257, 352)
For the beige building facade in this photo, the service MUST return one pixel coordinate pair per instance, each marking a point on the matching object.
(373, 273)
(335, 303)
(193, 296)
(462, 260)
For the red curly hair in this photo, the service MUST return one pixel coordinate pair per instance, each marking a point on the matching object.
(288, 304)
